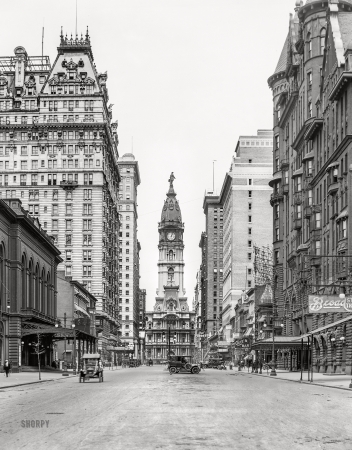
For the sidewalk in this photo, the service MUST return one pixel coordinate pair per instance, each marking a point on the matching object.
(334, 381)
(19, 379)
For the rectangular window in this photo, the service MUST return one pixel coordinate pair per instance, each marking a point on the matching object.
(68, 255)
(249, 219)
(55, 210)
(87, 271)
(317, 248)
(318, 220)
(87, 239)
(54, 224)
(69, 209)
(249, 256)
(87, 224)
(87, 208)
(69, 224)
(87, 255)
(250, 194)
(68, 239)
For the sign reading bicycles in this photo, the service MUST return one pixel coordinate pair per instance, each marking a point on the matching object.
(321, 304)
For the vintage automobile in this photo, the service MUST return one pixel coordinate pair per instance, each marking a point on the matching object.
(216, 363)
(92, 367)
(177, 364)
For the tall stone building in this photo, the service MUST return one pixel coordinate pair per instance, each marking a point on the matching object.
(129, 249)
(311, 200)
(58, 154)
(211, 244)
(171, 325)
(245, 197)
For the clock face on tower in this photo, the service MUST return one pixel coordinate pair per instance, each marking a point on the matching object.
(170, 236)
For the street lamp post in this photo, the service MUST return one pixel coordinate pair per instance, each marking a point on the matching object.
(273, 371)
(74, 350)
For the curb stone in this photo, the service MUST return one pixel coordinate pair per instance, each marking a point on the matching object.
(35, 382)
(301, 382)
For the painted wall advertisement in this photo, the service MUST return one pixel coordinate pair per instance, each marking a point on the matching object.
(321, 304)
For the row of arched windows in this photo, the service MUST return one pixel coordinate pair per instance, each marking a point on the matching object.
(36, 287)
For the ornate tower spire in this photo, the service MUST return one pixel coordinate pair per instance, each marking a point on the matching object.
(171, 187)
(171, 211)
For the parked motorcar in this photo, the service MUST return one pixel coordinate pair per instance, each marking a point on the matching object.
(179, 364)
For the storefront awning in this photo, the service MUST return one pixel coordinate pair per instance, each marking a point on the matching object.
(280, 342)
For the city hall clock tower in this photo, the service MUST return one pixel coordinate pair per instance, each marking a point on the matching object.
(170, 326)
(171, 291)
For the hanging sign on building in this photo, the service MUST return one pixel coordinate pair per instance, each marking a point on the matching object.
(244, 343)
(321, 304)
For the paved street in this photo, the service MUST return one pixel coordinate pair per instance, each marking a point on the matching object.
(146, 408)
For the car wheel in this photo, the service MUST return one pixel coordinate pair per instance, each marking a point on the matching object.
(172, 370)
(195, 370)
(188, 366)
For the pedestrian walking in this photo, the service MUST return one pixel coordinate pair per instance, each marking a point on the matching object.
(7, 367)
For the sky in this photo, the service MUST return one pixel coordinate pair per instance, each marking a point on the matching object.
(186, 78)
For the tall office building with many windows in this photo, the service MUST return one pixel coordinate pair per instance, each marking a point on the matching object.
(211, 244)
(58, 154)
(129, 249)
(245, 198)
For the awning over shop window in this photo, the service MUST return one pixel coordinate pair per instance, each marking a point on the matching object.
(297, 172)
(280, 342)
(342, 215)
